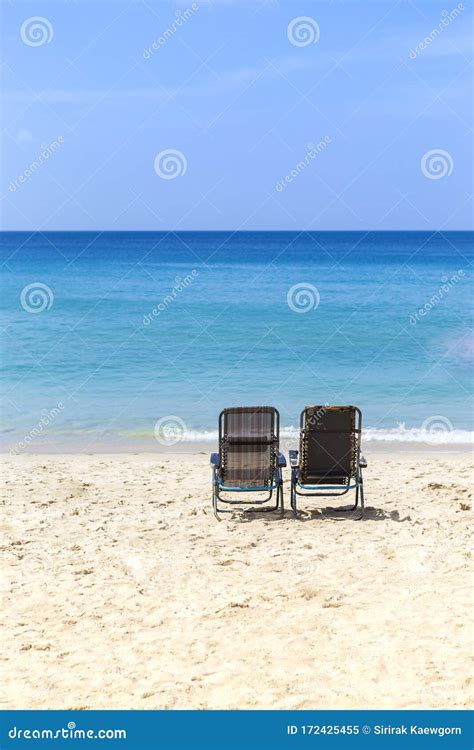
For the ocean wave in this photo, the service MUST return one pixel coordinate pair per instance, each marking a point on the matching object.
(440, 433)
(402, 434)
(399, 434)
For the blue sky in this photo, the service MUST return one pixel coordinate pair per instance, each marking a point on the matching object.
(240, 99)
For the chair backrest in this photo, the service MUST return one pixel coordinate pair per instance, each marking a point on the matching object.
(329, 444)
(248, 445)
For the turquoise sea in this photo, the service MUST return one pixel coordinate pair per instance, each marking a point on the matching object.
(104, 334)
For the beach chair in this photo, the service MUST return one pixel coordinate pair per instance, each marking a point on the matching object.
(329, 462)
(249, 459)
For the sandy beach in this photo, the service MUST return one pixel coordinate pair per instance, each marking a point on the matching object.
(121, 590)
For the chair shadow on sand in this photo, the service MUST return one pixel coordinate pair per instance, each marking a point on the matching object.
(370, 514)
(329, 513)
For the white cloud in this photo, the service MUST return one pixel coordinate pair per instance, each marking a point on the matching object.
(24, 137)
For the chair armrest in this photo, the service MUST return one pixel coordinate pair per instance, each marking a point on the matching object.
(215, 460)
(281, 459)
(362, 462)
(293, 458)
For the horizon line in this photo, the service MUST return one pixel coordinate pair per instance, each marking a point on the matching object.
(233, 231)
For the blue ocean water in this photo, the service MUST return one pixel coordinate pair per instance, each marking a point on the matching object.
(105, 333)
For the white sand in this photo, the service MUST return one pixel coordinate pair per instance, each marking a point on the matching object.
(121, 590)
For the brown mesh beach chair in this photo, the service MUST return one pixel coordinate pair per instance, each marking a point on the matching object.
(249, 459)
(329, 463)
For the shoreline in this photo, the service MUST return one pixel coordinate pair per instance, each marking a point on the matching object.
(148, 448)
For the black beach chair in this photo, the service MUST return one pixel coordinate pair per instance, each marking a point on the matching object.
(249, 459)
(329, 463)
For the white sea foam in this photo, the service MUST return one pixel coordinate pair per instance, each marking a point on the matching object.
(402, 434)
(399, 434)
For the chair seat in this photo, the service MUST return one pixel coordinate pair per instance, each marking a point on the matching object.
(242, 477)
(323, 479)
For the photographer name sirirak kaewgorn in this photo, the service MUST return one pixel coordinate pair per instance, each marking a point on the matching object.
(376, 729)
(415, 729)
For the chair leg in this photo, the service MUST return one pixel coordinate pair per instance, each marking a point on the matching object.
(214, 496)
(353, 507)
(278, 505)
(293, 496)
(361, 487)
